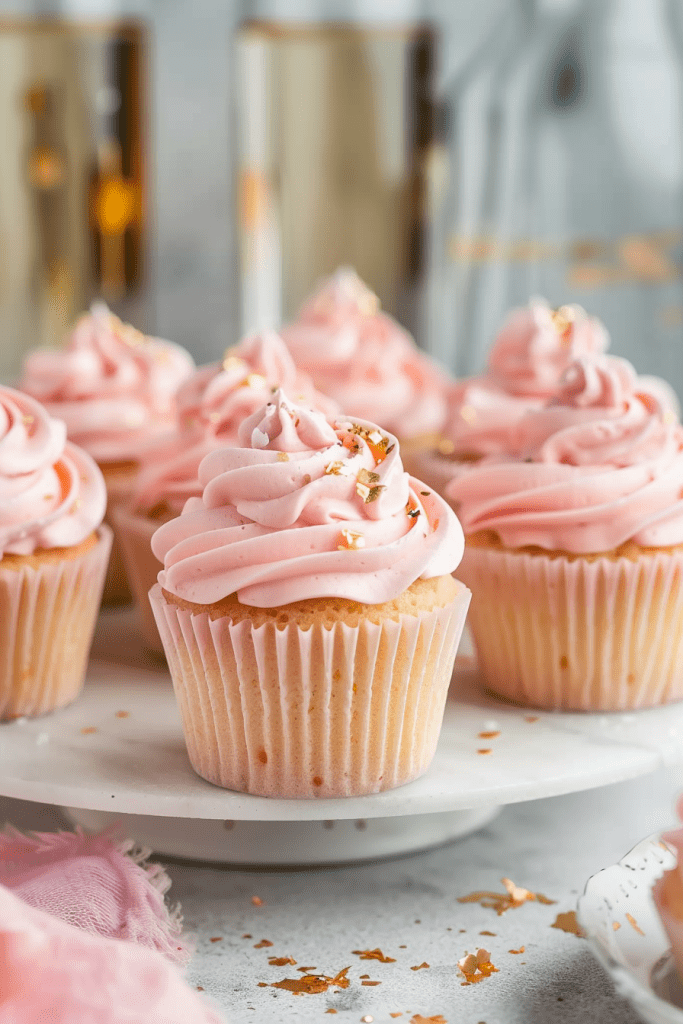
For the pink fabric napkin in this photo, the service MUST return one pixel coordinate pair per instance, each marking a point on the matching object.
(53, 972)
(99, 884)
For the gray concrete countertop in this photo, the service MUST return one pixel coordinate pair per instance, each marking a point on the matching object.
(318, 917)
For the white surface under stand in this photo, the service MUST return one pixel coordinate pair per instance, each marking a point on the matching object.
(118, 753)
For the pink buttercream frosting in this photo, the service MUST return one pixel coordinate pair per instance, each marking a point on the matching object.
(365, 360)
(525, 365)
(111, 385)
(52, 494)
(211, 406)
(306, 508)
(603, 464)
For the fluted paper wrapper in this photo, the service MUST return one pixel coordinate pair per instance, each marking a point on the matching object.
(322, 712)
(47, 618)
(134, 533)
(119, 483)
(602, 634)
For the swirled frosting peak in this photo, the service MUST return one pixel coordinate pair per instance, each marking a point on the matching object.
(365, 360)
(52, 494)
(603, 464)
(306, 508)
(211, 406)
(111, 385)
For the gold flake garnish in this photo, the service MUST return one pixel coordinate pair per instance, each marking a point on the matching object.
(123, 714)
(475, 968)
(373, 954)
(334, 468)
(368, 486)
(485, 750)
(351, 541)
(568, 923)
(233, 363)
(88, 729)
(562, 320)
(488, 735)
(634, 924)
(312, 984)
(263, 944)
(413, 513)
(48, 497)
(445, 446)
(365, 476)
(282, 457)
(514, 896)
(253, 380)
(27, 420)
(520, 950)
(370, 983)
(425, 494)
(493, 934)
(419, 1019)
(615, 926)
(420, 967)
(306, 479)
(468, 413)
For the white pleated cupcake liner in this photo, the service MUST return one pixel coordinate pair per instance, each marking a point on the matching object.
(320, 712)
(134, 533)
(47, 619)
(602, 634)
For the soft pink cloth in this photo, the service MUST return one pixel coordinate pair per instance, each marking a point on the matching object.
(53, 972)
(100, 885)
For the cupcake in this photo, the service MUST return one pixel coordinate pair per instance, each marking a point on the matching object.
(114, 388)
(307, 609)
(211, 404)
(525, 365)
(53, 558)
(367, 362)
(574, 552)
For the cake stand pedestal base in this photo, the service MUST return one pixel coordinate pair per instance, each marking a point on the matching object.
(288, 843)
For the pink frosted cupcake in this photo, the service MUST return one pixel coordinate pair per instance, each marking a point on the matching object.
(575, 553)
(525, 365)
(211, 406)
(114, 388)
(307, 610)
(53, 557)
(367, 362)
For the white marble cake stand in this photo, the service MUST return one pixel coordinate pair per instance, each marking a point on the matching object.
(118, 753)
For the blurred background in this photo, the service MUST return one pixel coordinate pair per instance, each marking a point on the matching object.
(200, 165)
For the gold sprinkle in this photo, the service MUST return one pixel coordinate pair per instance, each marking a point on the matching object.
(27, 419)
(445, 447)
(306, 479)
(313, 983)
(468, 413)
(257, 901)
(253, 380)
(48, 497)
(123, 714)
(514, 896)
(568, 923)
(282, 457)
(216, 938)
(419, 1019)
(634, 924)
(263, 944)
(88, 730)
(233, 362)
(488, 735)
(420, 967)
(425, 494)
(334, 469)
(412, 513)
(485, 750)
(306, 970)
(520, 950)
(615, 926)
(365, 476)
(281, 961)
(369, 983)
(493, 934)
(373, 954)
(351, 541)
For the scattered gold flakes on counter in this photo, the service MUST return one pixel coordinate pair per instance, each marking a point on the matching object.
(615, 926)
(263, 944)
(395, 1014)
(123, 714)
(369, 984)
(567, 923)
(420, 967)
(257, 901)
(485, 750)
(520, 950)
(634, 924)
(281, 961)
(531, 718)
(199, 988)
(330, 1010)
(216, 938)
(374, 954)
(488, 735)
(247, 936)
(263, 984)
(88, 729)
(312, 984)
(514, 896)
(306, 970)
(476, 967)
(419, 1019)
(492, 934)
